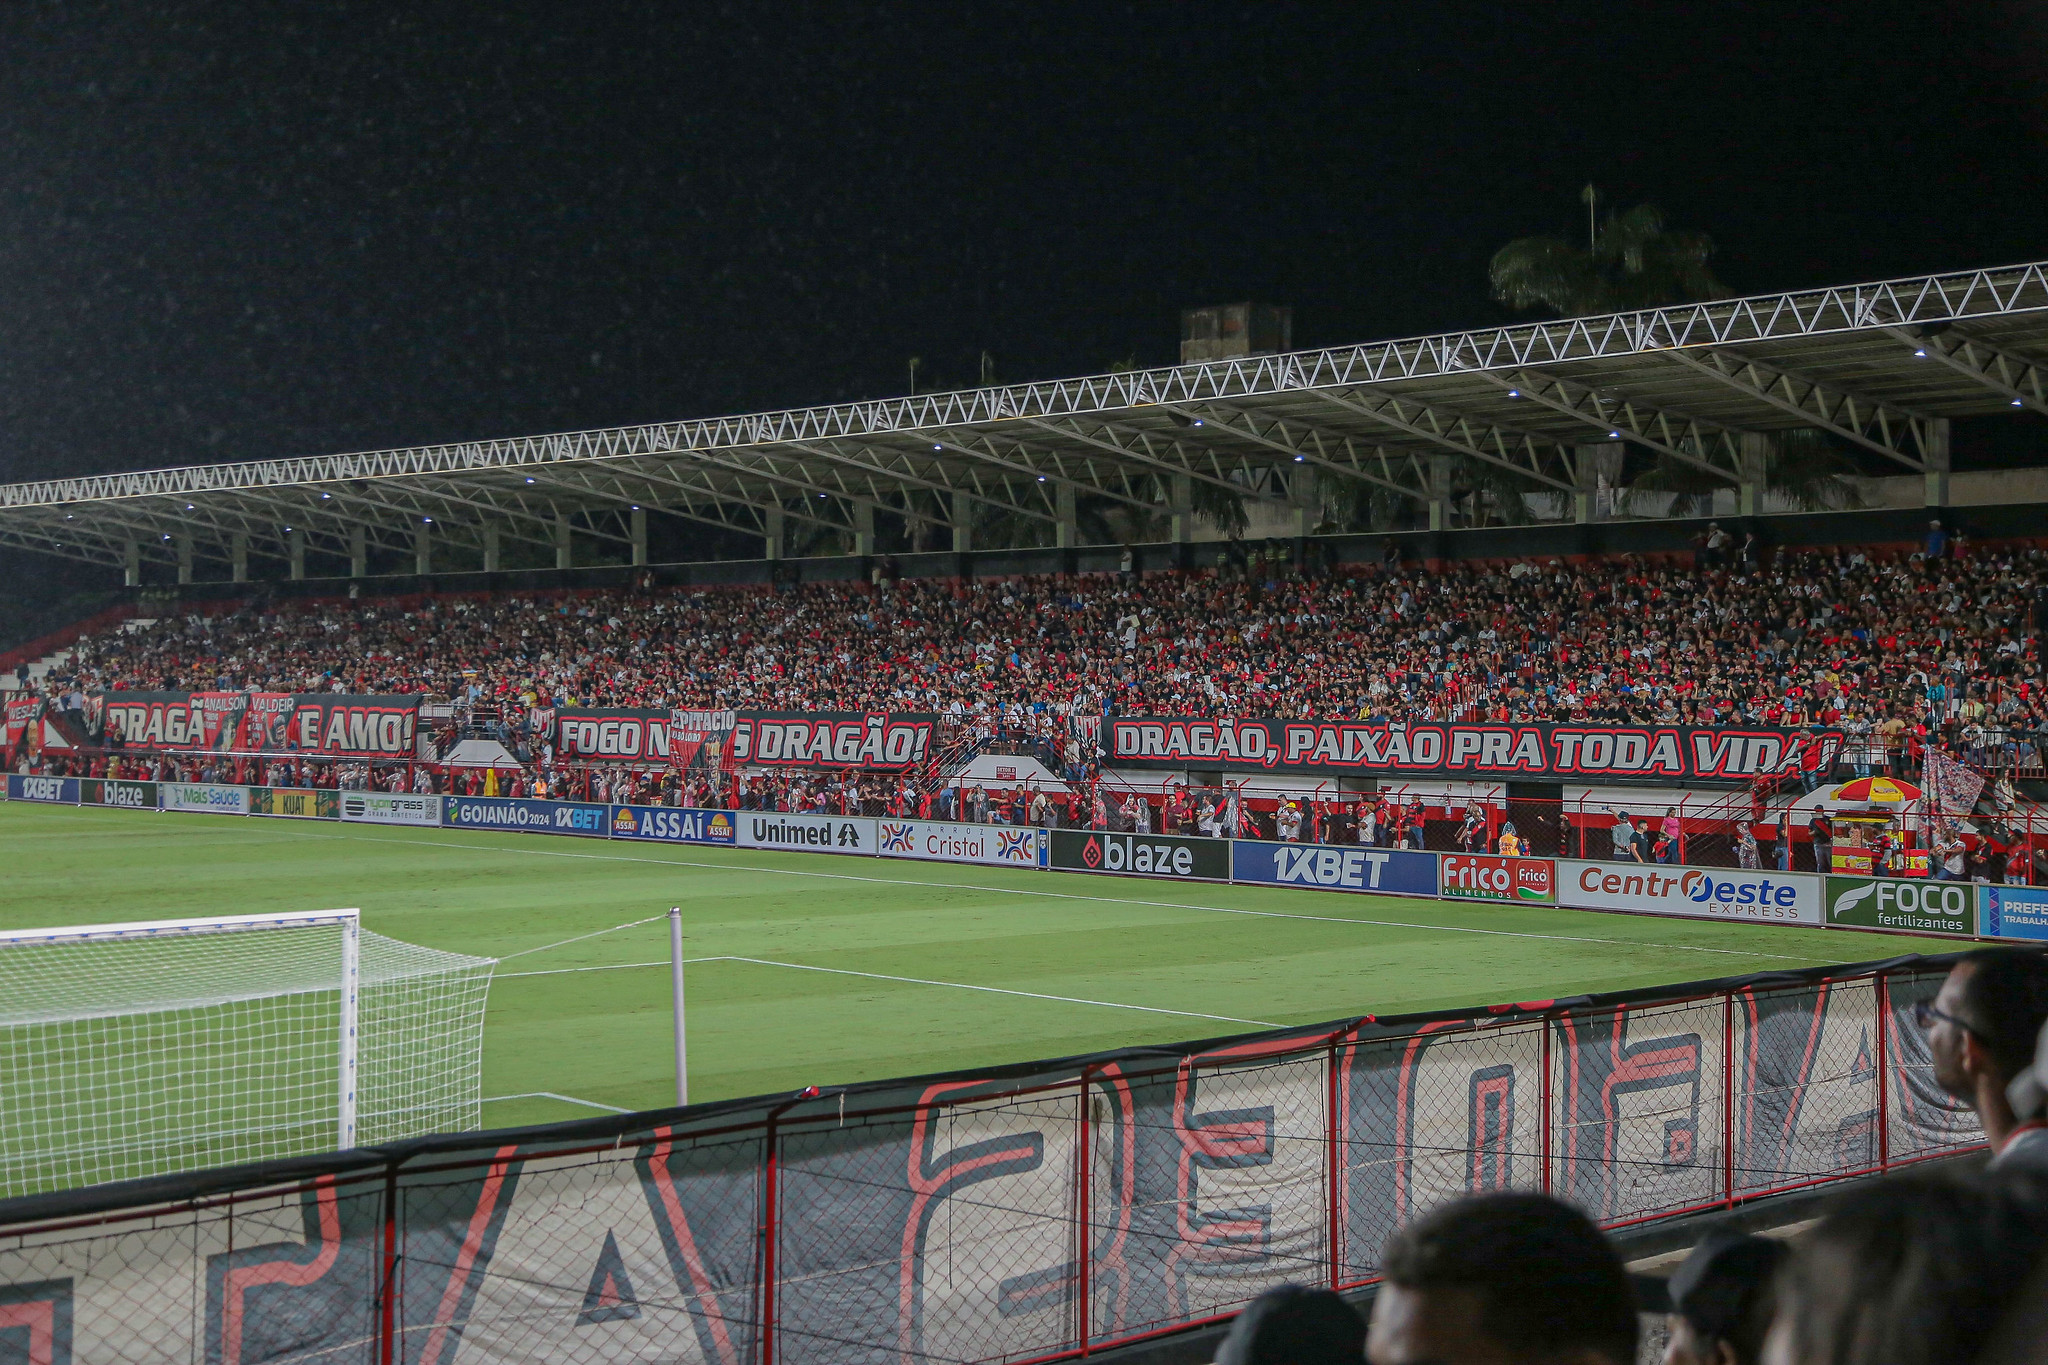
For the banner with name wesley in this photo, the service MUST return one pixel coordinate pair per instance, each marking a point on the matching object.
(1674, 753)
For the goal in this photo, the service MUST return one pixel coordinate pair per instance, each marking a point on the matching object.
(142, 1049)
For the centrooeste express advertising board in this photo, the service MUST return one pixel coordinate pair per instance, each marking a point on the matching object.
(1334, 867)
(1143, 855)
(1889, 903)
(1487, 877)
(1359, 749)
(1695, 892)
(1002, 845)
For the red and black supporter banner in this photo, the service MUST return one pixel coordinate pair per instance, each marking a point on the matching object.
(619, 735)
(876, 741)
(174, 720)
(18, 715)
(352, 726)
(1359, 749)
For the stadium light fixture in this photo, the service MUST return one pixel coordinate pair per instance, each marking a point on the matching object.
(1615, 435)
(938, 447)
(427, 519)
(1514, 393)
(1921, 354)
(1301, 459)
(1041, 478)
(2017, 403)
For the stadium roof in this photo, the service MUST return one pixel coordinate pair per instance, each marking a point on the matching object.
(1877, 365)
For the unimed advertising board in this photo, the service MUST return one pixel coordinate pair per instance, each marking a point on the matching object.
(1695, 892)
(1334, 868)
(817, 833)
(1890, 903)
(1146, 855)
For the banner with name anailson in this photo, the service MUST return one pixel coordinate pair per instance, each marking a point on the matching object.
(1674, 753)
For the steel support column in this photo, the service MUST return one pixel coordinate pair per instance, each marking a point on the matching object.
(773, 536)
(1439, 492)
(1753, 450)
(963, 523)
(637, 521)
(238, 557)
(131, 563)
(295, 552)
(1937, 454)
(564, 555)
(863, 528)
(491, 547)
(358, 552)
(1598, 474)
(422, 549)
(1182, 507)
(1067, 530)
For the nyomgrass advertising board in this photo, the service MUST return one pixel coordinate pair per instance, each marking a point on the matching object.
(521, 813)
(1892, 903)
(391, 808)
(1142, 855)
(1334, 867)
(1693, 892)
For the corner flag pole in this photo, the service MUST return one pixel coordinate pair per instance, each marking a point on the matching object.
(675, 953)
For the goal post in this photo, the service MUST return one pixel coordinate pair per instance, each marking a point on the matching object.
(156, 1046)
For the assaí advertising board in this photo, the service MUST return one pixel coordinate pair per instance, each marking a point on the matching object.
(666, 824)
(106, 791)
(522, 813)
(391, 808)
(1141, 855)
(56, 790)
(1694, 892)
(2013, 911)
(1488, 877)
(996, 844)
(1889, 903)
(1335, 867)
(814, 833)
(213, 798)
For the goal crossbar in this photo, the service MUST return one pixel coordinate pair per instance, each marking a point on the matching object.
(165, 928)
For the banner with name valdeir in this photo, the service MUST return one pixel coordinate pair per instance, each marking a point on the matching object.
(1673, 753)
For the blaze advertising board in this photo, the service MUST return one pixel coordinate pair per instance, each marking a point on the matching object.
(56, 790)
(816, 833)
(877, 740)
(1669, 753)
(1486, 877)
(1335, 867)
(999, 844)
(666, 824)
(391, 808)
(2013, 911)
(521, 813)
(1141, 855)
(1890, 903)
(104, 791)
(1695, 892)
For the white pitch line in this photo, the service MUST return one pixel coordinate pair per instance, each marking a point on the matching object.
(1060, 895)
(565, 1099)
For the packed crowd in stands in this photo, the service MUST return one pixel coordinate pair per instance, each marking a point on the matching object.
(1878, 645)
(1944, 1265)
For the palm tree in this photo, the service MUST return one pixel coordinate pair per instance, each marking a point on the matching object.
(1805, 467)
(1632, 261)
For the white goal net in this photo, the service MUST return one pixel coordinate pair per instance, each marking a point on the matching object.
(141, 1049)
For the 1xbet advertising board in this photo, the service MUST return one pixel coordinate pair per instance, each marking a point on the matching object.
(998, 844)
(1889, 903)
(815, 833)
(510, 812)
(1674, 753)
(2013, 911)
(1485, 877)
(1334, 867)
(665, 824)
(102, 791)
(58, 790)
(1144, 855)
(877, 740)
(1695, 892)
(391, 808)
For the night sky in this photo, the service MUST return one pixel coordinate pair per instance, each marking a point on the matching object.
(230, 231)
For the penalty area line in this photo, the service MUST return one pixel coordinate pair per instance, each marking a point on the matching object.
(1062, 895)
(565, 1099)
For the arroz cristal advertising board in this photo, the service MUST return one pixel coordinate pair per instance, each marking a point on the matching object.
(668, 825)
(1488, 877)
(1694, 892)
(1334, 868)
(2013, 911)
(211, 798)
(391, 808)
(1141, 855)
(995, 844)
(808, 833)
(1890, 903)
(54, 790)
(520, 813)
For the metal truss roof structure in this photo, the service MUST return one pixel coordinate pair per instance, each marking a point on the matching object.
(1876, 365)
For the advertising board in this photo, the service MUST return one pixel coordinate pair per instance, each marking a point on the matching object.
(391, 808)
(297, 803)
(1142, 855)
(664, 824)
(816, 833)
(517, 813)
(56, 790)
(1487, 877)
(2012, 911)
(1696, 892)
(999, 844)
(1334, 867)
(1890, 903)
(102, 791)
(213, 798)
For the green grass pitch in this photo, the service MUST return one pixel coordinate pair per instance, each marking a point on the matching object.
(816, 969)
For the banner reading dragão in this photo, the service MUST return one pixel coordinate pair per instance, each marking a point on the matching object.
(878, 741)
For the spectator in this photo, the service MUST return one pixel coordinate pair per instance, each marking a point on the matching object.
(1745, 846)
(1624, 839)
(1981, 1031)
(1914, 1270)
(1823, 833)
(1510, 842)
(1937, 540)
(1293, 1325)
(1723, 1301)
(1504, 1278)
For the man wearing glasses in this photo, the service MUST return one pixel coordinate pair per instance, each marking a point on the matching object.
(1980, 1029)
